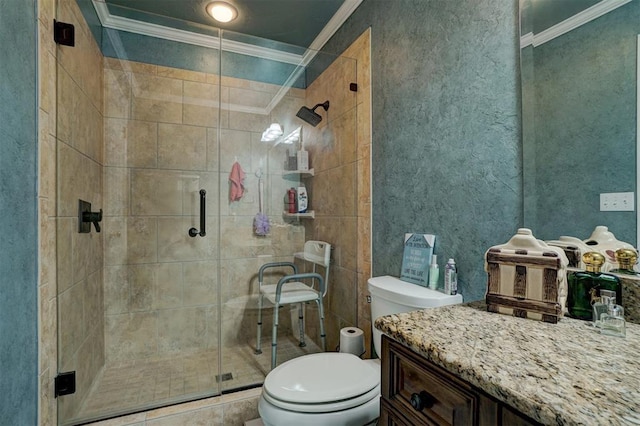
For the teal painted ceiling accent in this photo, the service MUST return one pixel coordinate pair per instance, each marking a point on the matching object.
(295, 22)
(144, 34)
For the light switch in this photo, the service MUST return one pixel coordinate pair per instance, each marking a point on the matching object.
(617, 202)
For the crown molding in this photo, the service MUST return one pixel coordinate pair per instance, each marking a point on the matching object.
(339, 18)
(159, 31)
(526, 40)
(577, 20)
(336, 21)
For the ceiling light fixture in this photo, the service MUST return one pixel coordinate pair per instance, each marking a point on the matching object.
(222, 11)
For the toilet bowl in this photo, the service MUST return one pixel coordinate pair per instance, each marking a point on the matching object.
(329, 388)
(336, 388)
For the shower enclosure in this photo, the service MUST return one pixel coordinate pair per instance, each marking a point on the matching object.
(148, 128)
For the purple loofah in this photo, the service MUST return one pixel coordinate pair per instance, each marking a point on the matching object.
(261, 224)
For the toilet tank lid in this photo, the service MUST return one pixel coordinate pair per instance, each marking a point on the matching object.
(412, 295)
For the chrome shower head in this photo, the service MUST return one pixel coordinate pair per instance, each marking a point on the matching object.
(310, 115)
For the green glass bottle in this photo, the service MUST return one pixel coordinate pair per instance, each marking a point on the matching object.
(626, 258)
(585, 286)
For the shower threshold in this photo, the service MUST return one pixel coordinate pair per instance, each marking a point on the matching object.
(127, 387)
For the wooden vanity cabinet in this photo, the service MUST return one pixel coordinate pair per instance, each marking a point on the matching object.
(418, 392)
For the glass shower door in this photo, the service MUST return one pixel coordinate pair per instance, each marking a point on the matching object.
(138, 297)
(261, 93)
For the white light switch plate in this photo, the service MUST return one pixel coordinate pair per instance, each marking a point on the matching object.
(617, 202)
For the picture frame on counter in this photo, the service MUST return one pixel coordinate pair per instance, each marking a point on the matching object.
(416, 258)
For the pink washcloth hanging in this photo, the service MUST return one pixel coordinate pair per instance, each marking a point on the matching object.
(236, 177)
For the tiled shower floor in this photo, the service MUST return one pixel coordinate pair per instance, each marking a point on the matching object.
(142, 384)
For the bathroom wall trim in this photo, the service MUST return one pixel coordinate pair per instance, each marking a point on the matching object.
(144, 28)
(345, 11)
(577, 20)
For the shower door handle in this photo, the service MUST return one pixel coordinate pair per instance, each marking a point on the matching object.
(193, 232)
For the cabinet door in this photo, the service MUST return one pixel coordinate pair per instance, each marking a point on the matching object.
(424, 392)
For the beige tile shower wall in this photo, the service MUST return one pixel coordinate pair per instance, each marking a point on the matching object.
(340, 151)
(361, 51)
(161, 148)
(79, 152)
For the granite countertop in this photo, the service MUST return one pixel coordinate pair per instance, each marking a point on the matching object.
(565, 373)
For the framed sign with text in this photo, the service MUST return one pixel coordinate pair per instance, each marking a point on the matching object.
(416, 259)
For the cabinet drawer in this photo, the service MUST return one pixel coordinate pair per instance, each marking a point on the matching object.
(428, 394)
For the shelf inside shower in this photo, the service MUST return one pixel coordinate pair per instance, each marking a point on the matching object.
(310, 214)
(302, 173)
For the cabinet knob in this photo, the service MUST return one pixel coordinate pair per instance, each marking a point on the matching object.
(422, 400)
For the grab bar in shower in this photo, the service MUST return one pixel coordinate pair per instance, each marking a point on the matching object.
(193, 232)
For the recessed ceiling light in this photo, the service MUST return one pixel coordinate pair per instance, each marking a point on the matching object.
(222, 11)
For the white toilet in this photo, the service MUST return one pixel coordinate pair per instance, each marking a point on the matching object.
(340, 389)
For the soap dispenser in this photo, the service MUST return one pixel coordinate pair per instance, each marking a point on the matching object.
(585, 286)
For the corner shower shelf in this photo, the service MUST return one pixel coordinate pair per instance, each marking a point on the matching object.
(310, 214)
(302, 173)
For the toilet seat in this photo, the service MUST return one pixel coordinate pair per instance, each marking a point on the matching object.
(324, 407)
(322, 382)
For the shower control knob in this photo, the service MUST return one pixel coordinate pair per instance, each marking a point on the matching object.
(422, 400)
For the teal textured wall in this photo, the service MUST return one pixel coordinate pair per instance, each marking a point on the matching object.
(18, 219)
(582, 89)
(446, 145)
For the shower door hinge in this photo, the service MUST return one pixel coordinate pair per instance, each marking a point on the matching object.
(65, 383)
(64, 34)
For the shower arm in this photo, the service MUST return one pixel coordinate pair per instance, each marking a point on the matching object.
(324, 105)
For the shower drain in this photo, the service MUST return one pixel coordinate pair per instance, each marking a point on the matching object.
(224, 377)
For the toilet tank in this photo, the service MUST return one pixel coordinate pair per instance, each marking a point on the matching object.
(390, 295)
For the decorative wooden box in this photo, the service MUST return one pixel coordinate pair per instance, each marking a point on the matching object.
(526, 278)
